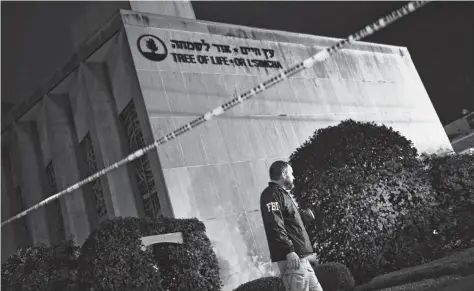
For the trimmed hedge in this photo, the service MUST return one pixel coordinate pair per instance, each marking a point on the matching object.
(431, 232)
(381, 207)
(263, 284)
(331, 276)
(334, 277)
(112, 259)
(451, 177)
(191, 266)
(362, 178)
(41, 268)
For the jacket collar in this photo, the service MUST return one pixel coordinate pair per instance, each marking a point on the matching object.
(273, 184)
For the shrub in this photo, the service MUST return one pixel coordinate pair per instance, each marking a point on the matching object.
(433, 231)
(352, 143)
(334, 277)
(191, 266)
(453, 189)
(414, 242)
(363, 178)
(452, 178)
(41, 268)
(263, 284)
(112, 259)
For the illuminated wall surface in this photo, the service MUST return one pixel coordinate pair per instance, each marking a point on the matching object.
(143, 76)
(217, 172)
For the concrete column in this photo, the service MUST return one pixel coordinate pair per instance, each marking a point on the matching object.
(106, 124)
(64, 152)
(11, 196)
(30, 161)
(125, 88)
(9, 240)
(84, 126)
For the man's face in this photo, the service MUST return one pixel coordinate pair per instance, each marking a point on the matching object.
(288, 178)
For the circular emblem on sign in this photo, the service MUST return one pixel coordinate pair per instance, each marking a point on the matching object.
(152, 48)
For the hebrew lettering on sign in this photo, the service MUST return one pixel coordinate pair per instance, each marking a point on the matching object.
(194, 52)
(189, 45)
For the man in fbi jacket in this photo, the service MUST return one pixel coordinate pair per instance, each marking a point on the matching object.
(287, 238)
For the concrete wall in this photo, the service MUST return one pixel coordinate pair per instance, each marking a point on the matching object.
(217, 171)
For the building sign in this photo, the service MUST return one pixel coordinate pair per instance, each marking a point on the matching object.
(202, 52)
(152, 48)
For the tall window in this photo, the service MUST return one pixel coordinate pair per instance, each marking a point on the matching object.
(88, 154)
(57, 214)
(144, 175)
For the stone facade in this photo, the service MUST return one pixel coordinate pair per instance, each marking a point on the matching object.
(131, 91)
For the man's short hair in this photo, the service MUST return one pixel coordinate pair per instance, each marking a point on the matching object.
(276, 170)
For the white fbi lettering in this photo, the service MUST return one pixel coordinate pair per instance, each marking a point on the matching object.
(273, 206)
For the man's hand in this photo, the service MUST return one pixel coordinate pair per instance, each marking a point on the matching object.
(313, 259)
(308, 216)
(293, 261)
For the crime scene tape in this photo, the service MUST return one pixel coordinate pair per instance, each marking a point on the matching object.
(283, 75)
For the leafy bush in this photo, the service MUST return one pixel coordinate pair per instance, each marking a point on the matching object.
(41, 268)
(452, 177)
(112, 259)
(363, 178)
(415, 242)
(334, 277)
(442, 229)
(452, 219)
(191, 266)
(263, 284)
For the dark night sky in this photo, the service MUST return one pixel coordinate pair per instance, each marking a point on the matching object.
(439, 37)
